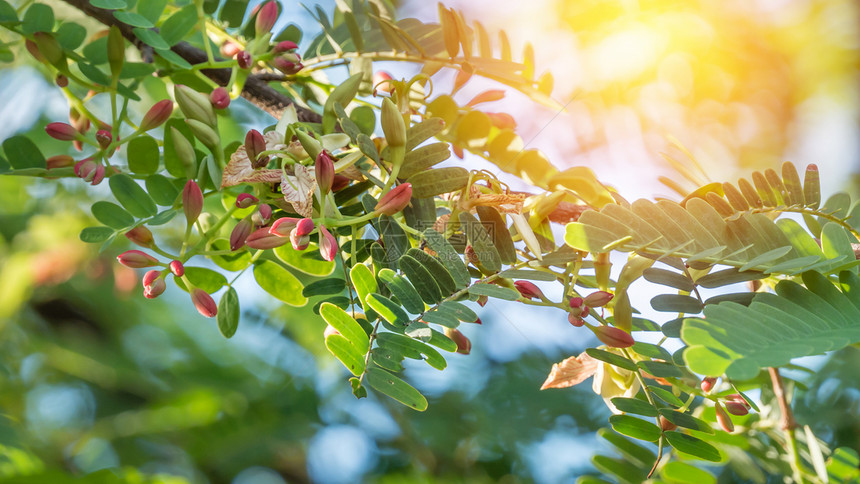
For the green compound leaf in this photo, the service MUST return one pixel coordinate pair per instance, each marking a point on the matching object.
(279, 282)
(178, 25)
(421, 278)
(495, 225)
(683, 473)
(667, 396)
(151, 38)
(460, 311)
(630, 450)
(228, 313)
(693, 446)
(143, 155)
(796, 321)
(448, 257)
(346, 325)
(611, 358)
(112, 215)
(109, 4)
(619, 468)
(634, 405)
(440, 273)
(686, 420)
(206, 279)
(162, 190)
(324, 287)
(307, 261)
(492, 290)
(635, 427)
(95, 235)
(23, 153)
(132, 197)
(403, 290)
(388, 384)
(412, 348)
(346, 352)
(364, 284)
(234, 261)
(387, 309)
(481, 242)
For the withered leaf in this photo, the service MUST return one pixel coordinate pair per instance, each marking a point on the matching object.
(570, 372)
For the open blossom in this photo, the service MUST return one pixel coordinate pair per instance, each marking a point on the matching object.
(611, 381)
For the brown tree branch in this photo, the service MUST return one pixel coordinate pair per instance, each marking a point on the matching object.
(787, 421)
(256, 90)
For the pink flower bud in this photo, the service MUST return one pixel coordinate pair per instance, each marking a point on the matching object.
(192, 201)
(283, 226)
(220, 98)
(265, 212)
(104, 138)
(284, 46)
(339, 182)
(85, 169)
(575, 320)
(304, 227)
(61, 131)
(203, 302)
(96, 176)
(254, 145)
(328, 244)
(597, 299)
(59, 161)
(464, 346)
(262, 239)
(395, 200)
(287, 66)
(379, 82)
(708, 384)
(240, 232)
(136, 259)
(324, 172)
(266, 18)
(229, 49)
(245, 200)
(578, 309)
(299, 242)
(141, 236)
(157, 115)
(528, 290)
(153, 284)
(244, 59)
(723, 418)
(61, 81)
(736, 408)
(614, 337)
(177, 268)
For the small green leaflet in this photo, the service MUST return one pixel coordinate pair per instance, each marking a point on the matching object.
(388, 384)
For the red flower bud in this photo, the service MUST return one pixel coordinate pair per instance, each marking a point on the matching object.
(324, 171)
(177, 268)
(240, 233)
(575, 320)
(262, 239)
(723, 418)
(339, 182)
(96, 176)
(614, 337)
(328, 244)
(245, 200)
(299, 242)
(59, 161)
(284, 46)
(244, 59)
(157, 115)
(287, 66)
(61, 131)
(104, 138)
(266, 18)
(61, 81)
(220, 98)
(528, 290)
(153, 284)
(136, 259)
(304, 227)
(464, 346)
(141, 236)
(229, 49)
(708, 384)
(502, 120)
(736, 408)
(395, 200)
(85, 167)
(283, 226)
(203, 302)
(265, 212)
(254, 145)
(192, 201)
(597, 299)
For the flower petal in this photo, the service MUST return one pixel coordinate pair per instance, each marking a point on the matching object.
(570, 372)
(299, 189)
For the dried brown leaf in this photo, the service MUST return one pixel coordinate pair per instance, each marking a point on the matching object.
(571, 371)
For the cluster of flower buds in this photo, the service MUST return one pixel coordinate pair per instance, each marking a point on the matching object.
(253, 230)
(529, 290)
(298, 230)
(90, 171)
(287, 61)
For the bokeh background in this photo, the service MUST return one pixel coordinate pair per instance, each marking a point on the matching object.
(97, 382)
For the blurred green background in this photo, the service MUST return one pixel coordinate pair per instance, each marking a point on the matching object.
(97, 382)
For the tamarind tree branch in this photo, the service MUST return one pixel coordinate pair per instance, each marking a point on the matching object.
(256, 90)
